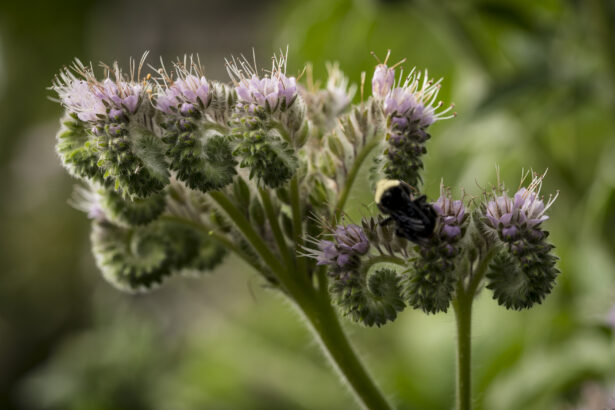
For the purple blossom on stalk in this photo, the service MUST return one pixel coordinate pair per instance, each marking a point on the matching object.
(349, 242)
(453, 215)
(78, 97)
(186, 92)
(272, 91)
(81, 93)
(415, 101)
(351, 239)
(526, 210)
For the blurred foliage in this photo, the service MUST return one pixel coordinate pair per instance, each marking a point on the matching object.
(534, 86)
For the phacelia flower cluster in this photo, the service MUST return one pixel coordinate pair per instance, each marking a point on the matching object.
(410, 107)
(187, 94)
(520, 215)
(95, 101)
(430, 286)
(343, 252)
(523, 272)
(270, 92)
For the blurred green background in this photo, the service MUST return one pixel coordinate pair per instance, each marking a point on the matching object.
(534, 87)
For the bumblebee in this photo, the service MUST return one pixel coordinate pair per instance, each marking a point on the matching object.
(415, 219)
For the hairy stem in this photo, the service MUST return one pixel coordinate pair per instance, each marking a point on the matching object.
(295, 203)
(328, 331)
(463, 317)
(382, 259)
(352, 175)
(318, 311)
(272, 216)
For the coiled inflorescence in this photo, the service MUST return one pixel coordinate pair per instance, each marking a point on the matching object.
(270, 121)
(431, 281)
(410, 108)
(107, 126)
(368, 297)
(523, 271)
(195, 124)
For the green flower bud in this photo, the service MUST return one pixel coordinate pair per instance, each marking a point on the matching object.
(372, 299)
(202, 158)
(77, 150)
(270, 159)
(134, 160)
(138, 211)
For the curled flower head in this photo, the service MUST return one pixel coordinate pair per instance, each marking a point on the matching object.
(272, 91)
(415, 100)
(525, 210)
(190, 88)
(92, 100)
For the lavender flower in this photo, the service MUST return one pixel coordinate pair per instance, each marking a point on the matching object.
(81, 93)
(78, 97)
(271, 92)
(415, 101)
(185, 93)
(348, 244)
(452, 213)
(351, 239)
(525, 211)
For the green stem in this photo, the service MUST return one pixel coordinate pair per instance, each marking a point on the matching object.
(275, 228)
(328, 331)
(317, 309)
(463, 316)
(242, 223)
(354, 170)
(295, 203)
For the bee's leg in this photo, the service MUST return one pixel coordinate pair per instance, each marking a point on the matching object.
(386, 221)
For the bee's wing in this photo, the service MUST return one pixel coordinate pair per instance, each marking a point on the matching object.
(412, 220)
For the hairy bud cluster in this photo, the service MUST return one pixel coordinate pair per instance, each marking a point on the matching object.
(270, 121)
(195, 128)
(431, 282)
(104, 139)
(523, 272)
